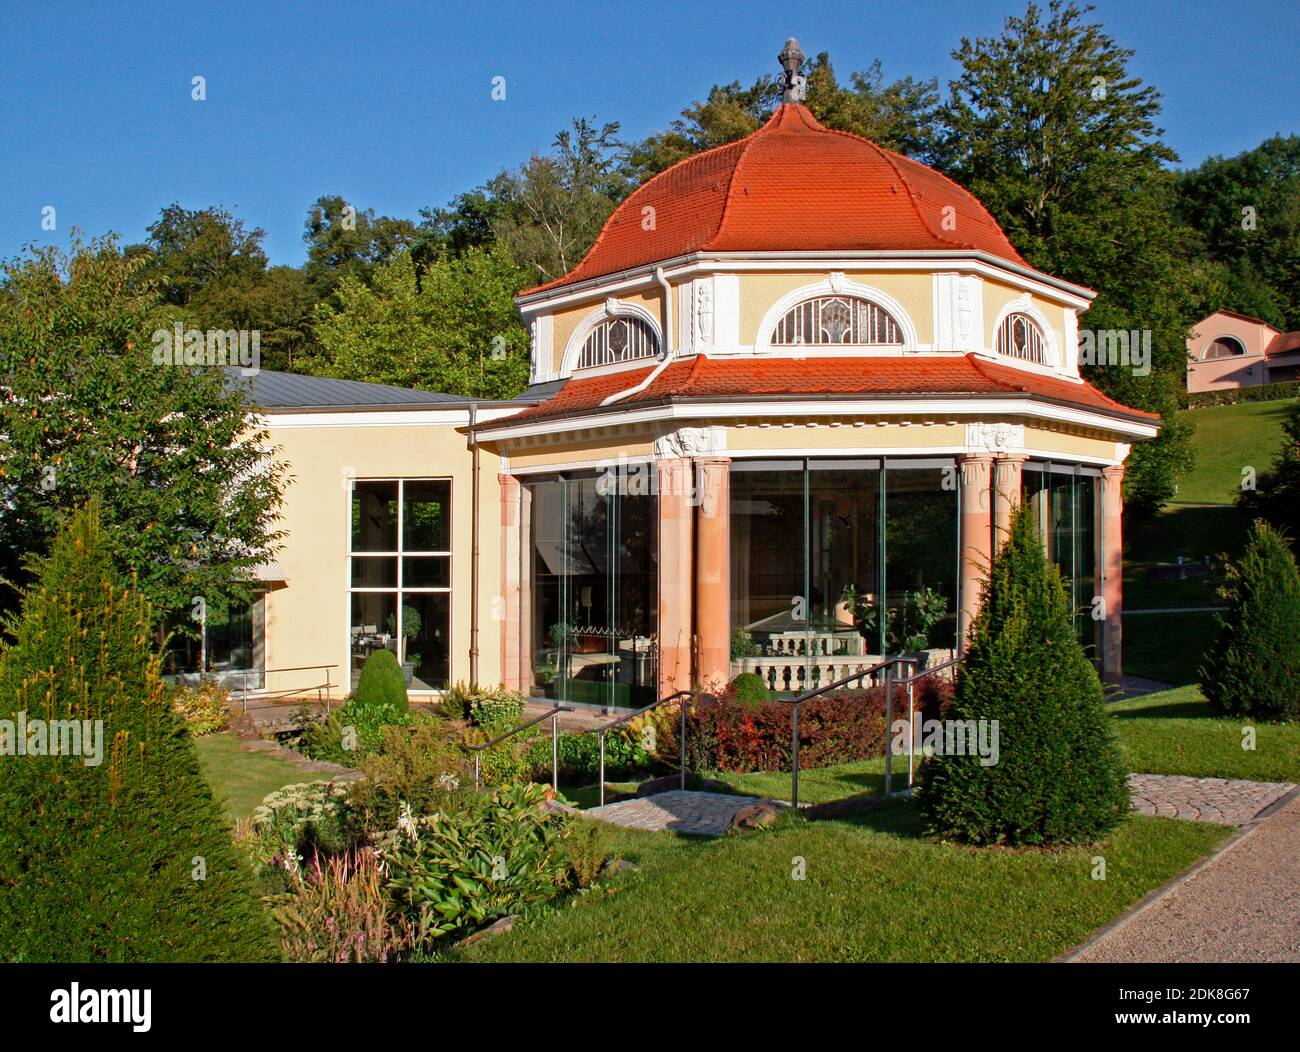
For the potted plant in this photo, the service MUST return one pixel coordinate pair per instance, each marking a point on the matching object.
(411, 625)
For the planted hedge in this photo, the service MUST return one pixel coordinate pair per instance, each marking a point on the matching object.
(731, 734)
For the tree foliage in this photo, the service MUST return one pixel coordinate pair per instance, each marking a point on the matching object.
(189, 490)
(127, 858)
(1247, 211)
(453, 328)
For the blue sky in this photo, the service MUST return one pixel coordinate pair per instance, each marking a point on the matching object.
(390, 104)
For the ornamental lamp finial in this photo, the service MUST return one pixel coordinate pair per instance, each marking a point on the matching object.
(794, 86)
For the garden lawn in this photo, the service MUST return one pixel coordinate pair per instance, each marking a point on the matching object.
(1228, 438)
(1167, 647)
(875, 890)
(239, 778)
(1177, 732)
(817, 785)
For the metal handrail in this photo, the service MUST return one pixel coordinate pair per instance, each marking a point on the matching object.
(681, 736)
(554, 715)
(908, 681)
(794, 703)
(322, 689)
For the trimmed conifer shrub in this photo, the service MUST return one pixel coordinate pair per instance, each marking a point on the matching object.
(118, 853)
(1253, 667)
(750, 690)
(1058, 776)
(381, 681)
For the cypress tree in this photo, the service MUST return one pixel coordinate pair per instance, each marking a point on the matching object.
(1058, 778)
(127, 858)
(1253, 667)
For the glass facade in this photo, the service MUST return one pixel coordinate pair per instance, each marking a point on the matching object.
(593, 549)
(236, 647)
(1063, 501)
(400, 576)
(840, 559)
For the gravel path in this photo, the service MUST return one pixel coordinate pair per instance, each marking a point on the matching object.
(1242, 905)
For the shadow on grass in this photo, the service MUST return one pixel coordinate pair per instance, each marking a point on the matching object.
(1181, 710)
(897, 817)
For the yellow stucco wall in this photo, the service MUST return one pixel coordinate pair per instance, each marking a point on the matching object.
(307, 621)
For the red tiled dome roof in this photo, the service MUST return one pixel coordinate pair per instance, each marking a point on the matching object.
(794, 185)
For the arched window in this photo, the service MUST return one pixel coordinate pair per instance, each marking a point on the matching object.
(845, 321)
(1223, 347)
(618, 340)
(1020, 337)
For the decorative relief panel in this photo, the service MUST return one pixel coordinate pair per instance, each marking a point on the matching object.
(995, 438)
(691, 442)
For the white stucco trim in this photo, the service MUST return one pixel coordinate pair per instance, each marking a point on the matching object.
(835, 284)
(1053, 290)
(957, 410)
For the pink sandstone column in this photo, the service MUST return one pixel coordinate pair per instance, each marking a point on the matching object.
(1006, 493)
(675, 562)
(506, 614)
(976, 536)
(1112, 573)
(713, 571)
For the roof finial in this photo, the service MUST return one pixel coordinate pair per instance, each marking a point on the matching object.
(794, 86)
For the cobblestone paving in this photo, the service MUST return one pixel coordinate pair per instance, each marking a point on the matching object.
(1224, 801)
(679, 811)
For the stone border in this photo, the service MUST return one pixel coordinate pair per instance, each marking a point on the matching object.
(1165, 890)
(250, 739)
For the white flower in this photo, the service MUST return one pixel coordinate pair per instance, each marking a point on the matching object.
(406, 821)
(448, 781)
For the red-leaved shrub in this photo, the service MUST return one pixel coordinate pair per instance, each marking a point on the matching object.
(723, 734)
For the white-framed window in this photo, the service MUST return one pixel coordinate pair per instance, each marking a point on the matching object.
(841, 321)
(1223, 347)
(399, 576)
(619, 339)
(1020, 337)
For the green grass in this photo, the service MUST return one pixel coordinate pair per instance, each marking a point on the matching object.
(817, 785)
(1179, 530)
(875, 890)
(1176, 732)
(239, 778)
(1167, 647)
(1228, 438)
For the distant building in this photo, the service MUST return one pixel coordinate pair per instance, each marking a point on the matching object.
(1228, 349)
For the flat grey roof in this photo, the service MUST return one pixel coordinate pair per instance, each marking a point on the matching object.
(272, 390)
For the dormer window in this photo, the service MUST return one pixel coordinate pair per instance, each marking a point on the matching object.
(618, 340)
(1020, 337)
(837, 321)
